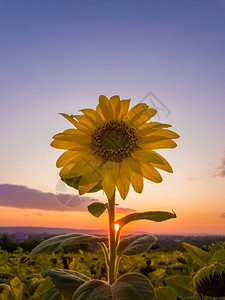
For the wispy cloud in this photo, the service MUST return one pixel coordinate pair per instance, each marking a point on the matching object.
(220, 170)
(23, 197)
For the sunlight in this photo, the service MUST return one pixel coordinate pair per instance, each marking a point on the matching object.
(117, 226)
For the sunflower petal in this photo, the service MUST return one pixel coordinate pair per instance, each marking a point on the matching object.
(78, 137)
(64, 144)
(147, 156)
(150, 173)
(135, 174)
(150, 127)
(69, 118)
(106, 108)
(87, 182)
(166, 133)
(124, 107)
(67, 157)
(88, 112)
(163, 144)
(122, 183)
(165, 167)
(144, 117)
(115, 103)
(109, 174)
(135, 112)
(87, 164)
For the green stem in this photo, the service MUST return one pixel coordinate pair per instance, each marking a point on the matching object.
(112, 239)
(105, 252)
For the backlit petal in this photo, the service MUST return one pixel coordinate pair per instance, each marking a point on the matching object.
(87, 182)
(115, 103)
(123, 183)
(147, 156)
(124, 107)
(150, 173)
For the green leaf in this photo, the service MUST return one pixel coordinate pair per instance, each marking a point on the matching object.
(135, 244)
(130, 286)
(58, 242)
(215, 247)
(219, 256)
(74, 183)
(17, 288)
(7, 293)
(198, 255)
(67, 281)
(183, 286)
(166, 293)
(156, 216)
(46, 291)
(97, 208)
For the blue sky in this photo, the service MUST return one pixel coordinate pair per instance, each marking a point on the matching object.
(59, 56)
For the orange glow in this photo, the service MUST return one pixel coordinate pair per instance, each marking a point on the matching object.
(187, 221)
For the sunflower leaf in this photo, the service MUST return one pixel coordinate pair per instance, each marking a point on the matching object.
(131, 286)
(67, 281)
(135, 244)
(97, 209)
(166, 293)
(183, 286)
(58, 242)
(156, 216)
(202, 258)
(219, 256)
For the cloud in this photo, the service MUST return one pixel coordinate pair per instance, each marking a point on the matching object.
(23, 197)
(221, 168)
(223, 215)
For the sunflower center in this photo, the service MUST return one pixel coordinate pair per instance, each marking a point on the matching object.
(113, 141)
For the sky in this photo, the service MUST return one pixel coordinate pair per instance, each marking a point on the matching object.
(59, 56)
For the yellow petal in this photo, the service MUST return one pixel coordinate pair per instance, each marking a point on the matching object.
(109, 175)
(86, 164)
(65, 144)
(166, 166)
(115, 103)
(69, 118)
(123, 183)
(87, 182)
(150, 127)
(166, 133)
(135, 112)
(77, 124)
(150, 139)
(150, 173)
(144, 117)
(147, 156)
(106, 108)
(76, 137)
(135, 174)
(67, 157)
(88, 112)
(163, 144)
(86, 121)
(124, 107)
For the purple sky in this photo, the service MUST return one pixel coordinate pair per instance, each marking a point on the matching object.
(59, 57)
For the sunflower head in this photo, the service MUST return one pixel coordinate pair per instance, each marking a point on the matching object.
(112, 147)
(210, 281)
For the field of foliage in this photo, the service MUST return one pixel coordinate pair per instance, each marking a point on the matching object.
(170, 272)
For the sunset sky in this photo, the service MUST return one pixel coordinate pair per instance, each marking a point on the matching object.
(59, 56)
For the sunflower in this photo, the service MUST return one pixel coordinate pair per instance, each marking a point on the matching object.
(210, 281)
(113, 147)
